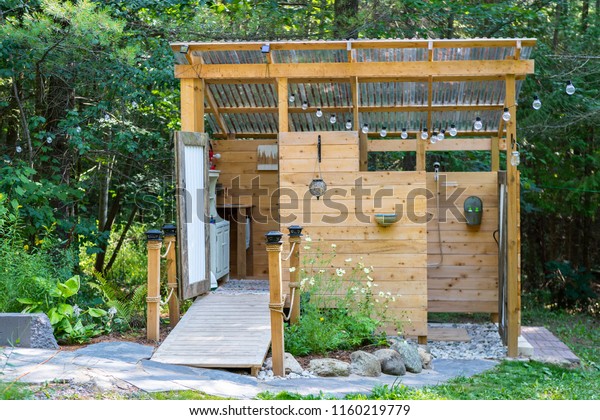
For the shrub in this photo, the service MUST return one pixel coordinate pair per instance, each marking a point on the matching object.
(341, 308)
(569, 287)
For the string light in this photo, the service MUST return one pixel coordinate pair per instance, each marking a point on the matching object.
(404, 134)
(442, 135)
(477, 125)
(49, 140)
(453, 131)
(570, 89)
(537, 104)
(332, 119)
(515, 159)
(365, 128)
(292, 98)
(506, 115)
(18, 149)
(319, 113)
(434, 137)
(348, 125)
(304, 106)
(424, 134)
(383, 132)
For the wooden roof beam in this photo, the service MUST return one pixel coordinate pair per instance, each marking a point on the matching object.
(341, 109)
(370, 69)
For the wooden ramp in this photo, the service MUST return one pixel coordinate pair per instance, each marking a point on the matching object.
(220, 331)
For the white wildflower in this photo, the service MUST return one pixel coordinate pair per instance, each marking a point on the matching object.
(76, 310)
(333, 245)
(311, 281)
(303, 281)
(321, 271)
(369, 278)
(306, 247)
(361, 265)
(369, 284)
(389, 294)
(366, 270)
(308, 239)
(363, 290)
(292, 269)
(377, 300)
(381, 294)
(375, 285)
(393, 298)
(348, 260)
(340, 272)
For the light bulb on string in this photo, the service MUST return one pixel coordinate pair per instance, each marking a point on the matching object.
(536, 104)
(383, 132)
(434, 137)
(506, 115)
(348, 125)
(365, 128)
(424, 134)
(453, 131)
(78, 129)
(49, 140)
(304, 106)
(18, 149)
(441, 135)
(332, 119)
(477, 125)
(570, 89)
(292, 98)
(404, 134)
(106, 117)
(319, 113)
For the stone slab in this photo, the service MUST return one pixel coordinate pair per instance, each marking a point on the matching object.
(26, 330)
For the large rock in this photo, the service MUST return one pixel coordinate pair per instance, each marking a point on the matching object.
(329, 367)
(410, 356)
(364, 364)
(290, 364)
(27, 330)
(426, 357)
(391, 362)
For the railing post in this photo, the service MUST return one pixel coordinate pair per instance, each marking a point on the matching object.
(276, 301)
(154, 243)
(170, 234)
(295, 240)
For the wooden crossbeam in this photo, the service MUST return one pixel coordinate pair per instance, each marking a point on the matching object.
(338, 109)
(363, 69)
(346, 80)
(443, 146)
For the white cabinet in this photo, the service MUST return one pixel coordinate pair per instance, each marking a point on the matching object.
(219, 236)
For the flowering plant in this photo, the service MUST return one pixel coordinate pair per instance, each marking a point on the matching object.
(342, 307)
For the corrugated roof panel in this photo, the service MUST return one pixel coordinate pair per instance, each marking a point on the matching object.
(309, 56)
(387, 55)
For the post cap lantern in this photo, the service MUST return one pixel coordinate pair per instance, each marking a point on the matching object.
(153, 235)
(169, 229)
(295, 230)
(274, 237)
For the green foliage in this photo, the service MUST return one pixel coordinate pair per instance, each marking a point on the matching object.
(570, 287)
(341, 308)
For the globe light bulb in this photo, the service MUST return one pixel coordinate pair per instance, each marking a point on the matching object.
(134, 104)
(453, 131)
(49, 140)
(506, 115)
(106, 117)
(292, 98)
(348, 125)
(537, 104)
(570, 89)
(365, 128)
(424, 134)
(404, 134)
(383, 132)
(18, 149)
(478, 125)
(515, 159)
(78, 129)
(434, 137)
(332, 119)
(442, 135)
(304, 106)
(319, 113)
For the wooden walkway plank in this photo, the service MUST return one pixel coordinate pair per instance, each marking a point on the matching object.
(220, 331)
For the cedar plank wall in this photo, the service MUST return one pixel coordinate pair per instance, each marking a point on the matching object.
(239, 158)
(467, 280)
(398, 253)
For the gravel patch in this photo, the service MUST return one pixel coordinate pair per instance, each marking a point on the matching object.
(243, 287)
(485, 343)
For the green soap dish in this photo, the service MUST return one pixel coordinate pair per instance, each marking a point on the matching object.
(386, 219)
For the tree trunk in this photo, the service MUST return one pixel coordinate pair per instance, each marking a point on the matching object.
(345, 11)
(585, 11)
(115, 253)
(557, 23)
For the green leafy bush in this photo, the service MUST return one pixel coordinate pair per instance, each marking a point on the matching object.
(341, 308)
(570, 287)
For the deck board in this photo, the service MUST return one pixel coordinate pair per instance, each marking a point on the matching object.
(224, 331)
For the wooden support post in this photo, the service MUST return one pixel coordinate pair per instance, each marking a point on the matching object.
(295, 240)
(495, 164)
(422, 339)
(170, 232)
(154, 238)
(276, 301)
(512, 230)
(494, 317)
(192, 105)
(282, 104)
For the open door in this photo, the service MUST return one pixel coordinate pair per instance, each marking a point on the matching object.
(191, 157)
